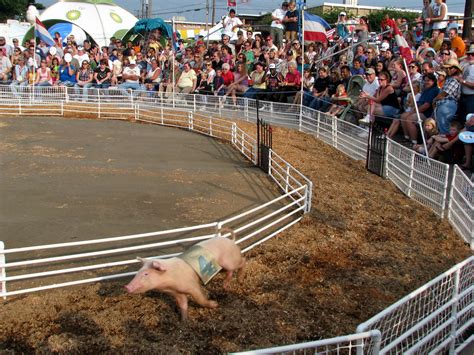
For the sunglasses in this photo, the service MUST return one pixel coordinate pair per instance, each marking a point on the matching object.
(444, 53)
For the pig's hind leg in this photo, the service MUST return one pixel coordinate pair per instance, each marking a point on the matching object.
(201, 299)
(182, 302)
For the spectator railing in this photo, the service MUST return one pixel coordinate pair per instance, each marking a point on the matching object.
(433, 318)
(102, 258)
(436, 318)
(420, 178)
(367, 342)
(423, 179)
(461, 206)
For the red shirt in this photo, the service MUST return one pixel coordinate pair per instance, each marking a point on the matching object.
(228, 77)
(294, 77)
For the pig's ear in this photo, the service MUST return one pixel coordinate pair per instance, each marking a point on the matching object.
(158, 265)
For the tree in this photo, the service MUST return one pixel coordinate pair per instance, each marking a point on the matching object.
(15, 9)
(375, 18)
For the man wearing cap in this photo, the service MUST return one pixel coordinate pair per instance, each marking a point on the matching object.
(81, 56)
(231, 23)
(277, 28)
(446, 103)
(370, 87)
(467, 85)
(131, 77)
(341, 28)
(269, 45)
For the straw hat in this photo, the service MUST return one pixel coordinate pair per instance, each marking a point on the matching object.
(452, 63)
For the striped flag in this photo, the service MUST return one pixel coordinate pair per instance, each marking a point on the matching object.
(403, 46)
(42, 33)
(330, 33)
(315, 28)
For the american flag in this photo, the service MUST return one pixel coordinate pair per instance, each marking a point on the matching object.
(330, 33)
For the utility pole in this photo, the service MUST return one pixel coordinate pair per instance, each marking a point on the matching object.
(149, 8)
(142, 15)
(213, 12)
(467, 23)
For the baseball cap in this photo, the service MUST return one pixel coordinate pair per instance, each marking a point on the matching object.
(80, 48)
(272, 66)
(342, 13)
(384, 46)
(369, 71)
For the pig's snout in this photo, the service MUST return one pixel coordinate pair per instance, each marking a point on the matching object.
(129, 288)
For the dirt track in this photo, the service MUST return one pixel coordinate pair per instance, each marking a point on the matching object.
(363, 246)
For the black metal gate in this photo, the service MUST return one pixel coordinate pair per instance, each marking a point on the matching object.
(264, 143)
(376, 149)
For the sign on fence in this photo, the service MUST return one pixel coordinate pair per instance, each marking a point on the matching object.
(376, 150)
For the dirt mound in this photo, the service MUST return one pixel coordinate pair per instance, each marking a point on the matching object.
(363, 246)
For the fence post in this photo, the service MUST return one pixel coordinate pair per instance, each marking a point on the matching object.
(287, 179)
(300, 123)
(210, 127)
(190, 121)
(98, 102)
(412, 169)
(445, 189)
(162, 116)
(246, 108)
(334, 132)
(451, 190)
(194, 102)
(385, 160)
(309, 189)
(318, 120)
(454, 311)
(62, 108)
(3, 273)
(233, 133)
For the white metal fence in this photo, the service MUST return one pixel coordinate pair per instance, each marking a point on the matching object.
(366, 342)
(428, 319)
(436, 318)
(461, 206)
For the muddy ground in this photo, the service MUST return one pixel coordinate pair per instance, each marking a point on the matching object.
(363, 246)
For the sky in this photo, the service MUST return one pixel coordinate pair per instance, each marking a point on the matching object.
(186, 8)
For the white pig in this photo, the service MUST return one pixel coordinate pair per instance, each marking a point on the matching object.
(179, 276)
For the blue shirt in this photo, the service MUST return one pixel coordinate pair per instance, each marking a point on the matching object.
(428, 95)
(64, 73)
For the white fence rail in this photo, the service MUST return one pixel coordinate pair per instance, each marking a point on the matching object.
(420, 178)
(461, 206)
(252, 227)
(435, 318)
(361, 343)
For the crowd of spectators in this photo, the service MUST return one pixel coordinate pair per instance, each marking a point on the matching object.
(274, 66)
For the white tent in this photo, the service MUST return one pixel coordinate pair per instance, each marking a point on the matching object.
(101, 19)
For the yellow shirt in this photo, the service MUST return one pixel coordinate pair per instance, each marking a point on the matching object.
(186, 79)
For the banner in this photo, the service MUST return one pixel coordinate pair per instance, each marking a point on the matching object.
(315, 28)
(42, 33)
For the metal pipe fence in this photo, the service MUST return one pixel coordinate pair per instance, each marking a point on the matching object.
(43, 267)
(461, 206)
(436, 318)
(347, 344)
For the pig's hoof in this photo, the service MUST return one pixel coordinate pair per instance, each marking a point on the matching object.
(213, 304)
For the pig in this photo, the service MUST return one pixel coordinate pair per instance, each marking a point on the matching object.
(177, 277)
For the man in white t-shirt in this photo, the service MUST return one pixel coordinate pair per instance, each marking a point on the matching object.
(5, 66)
(370, 87)
(231, 23)
(81, 56)
(131, 78)
(277, 27)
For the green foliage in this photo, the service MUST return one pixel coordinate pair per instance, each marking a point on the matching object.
(376, 17)
(15, 9)
(331, 16)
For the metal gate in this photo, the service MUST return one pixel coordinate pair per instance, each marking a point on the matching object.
(375, 162)
(264, 143)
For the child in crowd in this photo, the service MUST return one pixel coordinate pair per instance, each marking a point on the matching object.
(446, 142)
(430, 129)
(339, 103)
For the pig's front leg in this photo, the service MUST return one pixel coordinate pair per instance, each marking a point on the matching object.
(182, 302)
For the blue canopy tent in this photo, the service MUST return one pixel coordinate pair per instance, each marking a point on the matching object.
(144, 26)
